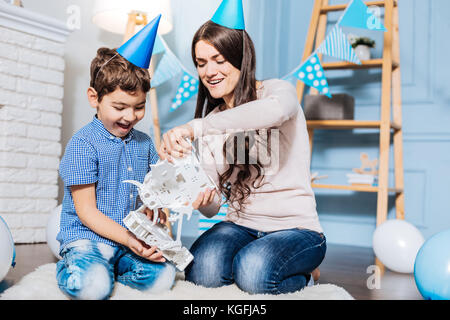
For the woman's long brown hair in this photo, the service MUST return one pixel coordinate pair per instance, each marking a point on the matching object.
(238, 49)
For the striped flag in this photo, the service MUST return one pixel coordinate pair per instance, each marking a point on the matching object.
(337, 45)
(206, 224)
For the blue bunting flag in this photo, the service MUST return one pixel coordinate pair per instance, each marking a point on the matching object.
(337, 45)
(168, 67)
(312, 74)
(186, 90)
(358, 15)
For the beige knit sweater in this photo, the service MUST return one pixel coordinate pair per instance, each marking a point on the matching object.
(286, 199)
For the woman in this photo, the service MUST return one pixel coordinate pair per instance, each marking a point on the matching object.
(271, 240)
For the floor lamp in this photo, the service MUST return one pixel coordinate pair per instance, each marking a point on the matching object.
(127, 18)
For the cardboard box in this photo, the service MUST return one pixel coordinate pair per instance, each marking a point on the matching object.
(320, 107)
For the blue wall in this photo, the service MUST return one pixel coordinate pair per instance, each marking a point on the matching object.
(279, 30)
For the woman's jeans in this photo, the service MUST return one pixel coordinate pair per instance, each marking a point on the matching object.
(258, 262)
(89, 268)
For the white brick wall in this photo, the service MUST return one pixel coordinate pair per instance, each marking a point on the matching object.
(31, 93)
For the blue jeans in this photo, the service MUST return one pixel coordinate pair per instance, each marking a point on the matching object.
(258, 262)
(89, 268)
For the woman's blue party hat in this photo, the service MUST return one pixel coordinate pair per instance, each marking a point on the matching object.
(138, 50)
(230, 14)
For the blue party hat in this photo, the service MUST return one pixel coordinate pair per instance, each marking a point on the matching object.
(138, 50)
(230, 14)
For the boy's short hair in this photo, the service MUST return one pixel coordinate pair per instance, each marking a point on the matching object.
(108, 73)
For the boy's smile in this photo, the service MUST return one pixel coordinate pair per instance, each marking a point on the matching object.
(119, 111)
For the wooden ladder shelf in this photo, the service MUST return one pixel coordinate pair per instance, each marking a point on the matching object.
(390, 87)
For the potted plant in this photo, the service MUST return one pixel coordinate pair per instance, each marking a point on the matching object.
(362, 46)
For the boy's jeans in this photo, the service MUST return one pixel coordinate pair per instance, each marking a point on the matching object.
(89, 268)
(258, 262)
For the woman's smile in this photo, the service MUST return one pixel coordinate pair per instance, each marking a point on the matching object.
(214, 82)
(218, 75)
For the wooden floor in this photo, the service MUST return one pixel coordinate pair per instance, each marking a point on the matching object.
(344, 266)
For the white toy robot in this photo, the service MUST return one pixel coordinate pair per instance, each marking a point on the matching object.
(173, 186)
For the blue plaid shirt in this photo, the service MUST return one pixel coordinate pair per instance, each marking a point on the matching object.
(93, 155)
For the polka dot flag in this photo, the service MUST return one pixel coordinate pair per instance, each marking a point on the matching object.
(311, 73)
(186, 90)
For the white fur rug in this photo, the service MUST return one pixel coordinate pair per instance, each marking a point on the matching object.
(41, 285)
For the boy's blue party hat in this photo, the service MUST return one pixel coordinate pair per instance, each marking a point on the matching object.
(138, 50)
(230, 14)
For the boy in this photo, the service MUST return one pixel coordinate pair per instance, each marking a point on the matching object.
(95, 246)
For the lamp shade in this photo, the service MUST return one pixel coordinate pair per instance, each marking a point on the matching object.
(112, 15)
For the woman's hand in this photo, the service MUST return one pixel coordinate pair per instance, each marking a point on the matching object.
(143, 250)
(174, 142)
(204, 199)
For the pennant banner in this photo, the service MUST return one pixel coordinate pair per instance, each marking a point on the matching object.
(159, 45)
(358, 15)
(168, 67)
(337, 45)
(186, 90)
(311, 73)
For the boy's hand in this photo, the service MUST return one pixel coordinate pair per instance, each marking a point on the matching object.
(161, 215)
(142, 249)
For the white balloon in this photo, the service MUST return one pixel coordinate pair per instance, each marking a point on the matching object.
(6, 249)
(396, 244)
(53, 229)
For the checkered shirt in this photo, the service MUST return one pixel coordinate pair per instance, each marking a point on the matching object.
(93, 155)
